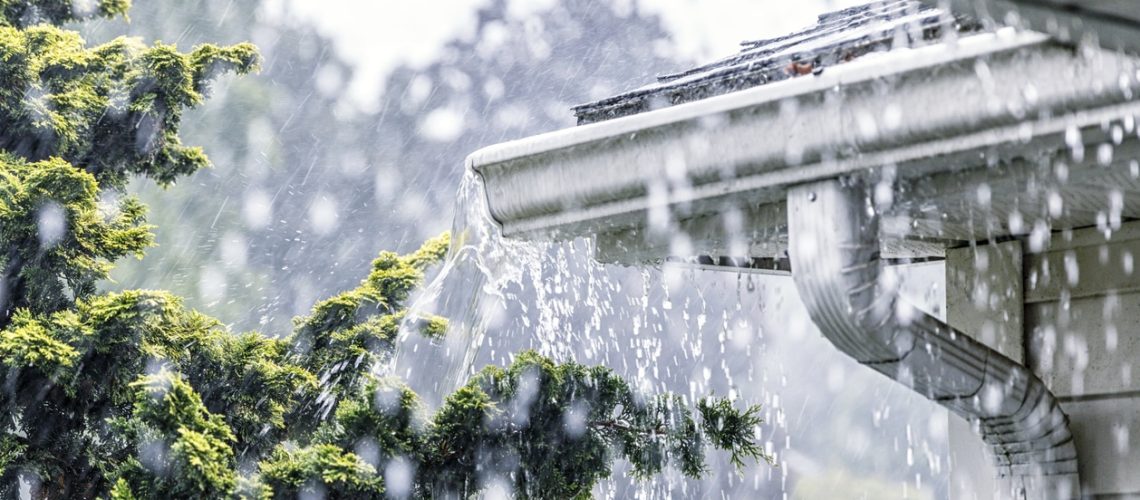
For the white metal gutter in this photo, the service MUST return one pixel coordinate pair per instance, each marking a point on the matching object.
(1114, 24)
(942, 108)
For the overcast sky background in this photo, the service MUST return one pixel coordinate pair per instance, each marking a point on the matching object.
(378, 35)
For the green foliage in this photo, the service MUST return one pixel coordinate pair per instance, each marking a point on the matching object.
(111, 110)
(565, 422)
(86, 362)
(12, 454)
(217, 396)
(27, 13)
(57, 238)
(197, 458)
(28, 344)
(323, 468)
(384, 412)
(359, 326)
(731, 429)
(133, 395)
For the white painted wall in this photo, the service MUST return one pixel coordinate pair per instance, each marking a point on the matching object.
(1083, 338)
(1072, 314)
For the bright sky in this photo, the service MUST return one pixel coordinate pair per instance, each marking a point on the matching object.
(378, 35)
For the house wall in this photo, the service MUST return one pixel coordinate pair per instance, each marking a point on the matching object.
(1072, 314)
(1082, 325)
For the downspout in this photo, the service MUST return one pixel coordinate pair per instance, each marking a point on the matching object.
(834, 250)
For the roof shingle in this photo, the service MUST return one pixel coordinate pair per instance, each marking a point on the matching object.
(837, 37)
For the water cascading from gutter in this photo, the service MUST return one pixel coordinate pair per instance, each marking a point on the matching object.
(835, 254)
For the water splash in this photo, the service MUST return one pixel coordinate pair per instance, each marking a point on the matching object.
(665, 328)
(468, 290)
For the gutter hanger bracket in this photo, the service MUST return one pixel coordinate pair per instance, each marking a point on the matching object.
(835, 255)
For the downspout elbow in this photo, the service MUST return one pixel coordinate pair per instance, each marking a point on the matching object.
(835, 253)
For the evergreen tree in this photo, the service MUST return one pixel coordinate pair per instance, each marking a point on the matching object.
(133, 395)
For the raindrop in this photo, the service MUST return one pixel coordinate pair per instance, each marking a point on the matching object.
(51, 224)
(1016, 223)
(1039, 237)
(442, 125)
(1075, 143)
(983, 193)
(1072, 270)
(257, 209)
(1056, 204)
(1030, 94)
(323, 217)
(1120, 434)
(1104, 154)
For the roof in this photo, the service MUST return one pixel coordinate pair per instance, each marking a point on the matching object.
(836, 38)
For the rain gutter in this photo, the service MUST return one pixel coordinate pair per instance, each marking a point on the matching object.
(926, 110)
(1112, 24)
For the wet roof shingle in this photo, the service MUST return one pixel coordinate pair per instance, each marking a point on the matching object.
(837, 37)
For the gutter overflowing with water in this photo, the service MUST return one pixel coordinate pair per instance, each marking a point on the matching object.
(827, 167)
